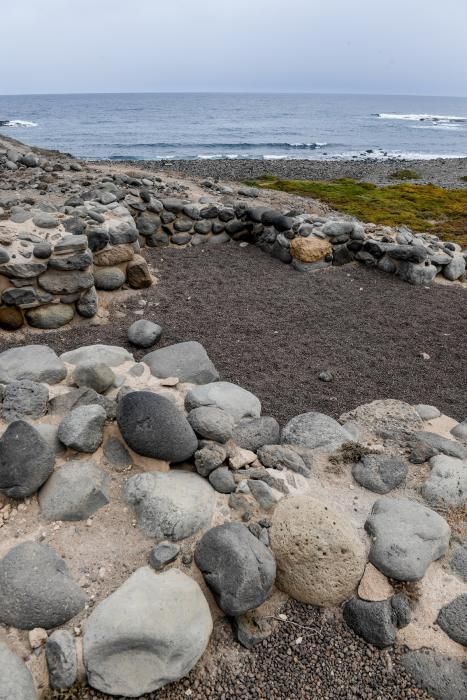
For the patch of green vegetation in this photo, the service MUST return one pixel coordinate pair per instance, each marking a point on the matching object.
(463, 178)
(405, 175)
(425, 208)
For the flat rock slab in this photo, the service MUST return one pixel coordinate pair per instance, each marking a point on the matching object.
(151, 631)
(406, 537)
(236, 566)
(170, 506)
(16, 680)
(36, 589)
(74, 492)
(39, 363)
(188, 361)
(314, 430)
(111, 355)
(237, 402)
(153, 427)
(387, 418)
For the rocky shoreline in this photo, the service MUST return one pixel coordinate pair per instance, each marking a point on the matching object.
(444, 172)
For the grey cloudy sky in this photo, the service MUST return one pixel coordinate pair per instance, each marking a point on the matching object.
(367, 46)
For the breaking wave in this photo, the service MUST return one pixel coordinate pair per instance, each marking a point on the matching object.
(433, 118)
(18, 123)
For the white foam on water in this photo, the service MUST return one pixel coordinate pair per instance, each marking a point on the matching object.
(20, 123)
(422, 117)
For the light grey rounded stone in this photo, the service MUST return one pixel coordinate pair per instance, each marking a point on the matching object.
(387, 418)
(253, 433)
(26, 460)
(332, 229)
(62, 662)
(406, 538)
(88, 303)
(36, 589)
(24, 399)
(314, 430)
(237, 567)
(45, 220)
(39, 363)
(443, 677)
(455, 268)
(172, 505)
(237, 402)
(380, 473)
(151, 631)
(50, 316)
(188, 361)
(16, 682)
(447, 483)
(427, 412)
(95, 375)
(111, 355)
(144, 333)
(83, 428)
(262, 493)
(460, 430)
(74, 492)
(211, 423)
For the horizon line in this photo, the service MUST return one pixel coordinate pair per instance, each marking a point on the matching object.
(230, 92)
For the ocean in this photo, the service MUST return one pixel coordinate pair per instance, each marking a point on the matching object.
(171, 126)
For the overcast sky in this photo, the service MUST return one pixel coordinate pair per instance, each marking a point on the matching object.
(363, 46)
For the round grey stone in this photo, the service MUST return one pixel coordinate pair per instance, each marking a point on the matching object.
(144, 333)
(26, 460)
(24, 399)
(211, 423)
(452, 619)
(188, 361)
(251, 434)
(314, 430)
(237, 402)
(62, 661)
(380, 473)
(95, 375)
(109, 278)
(16, 679)
(222, 480)
(82, 430)
(74, 492)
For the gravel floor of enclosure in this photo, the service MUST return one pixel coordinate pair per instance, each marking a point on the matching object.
(273, 330)
(311, 655)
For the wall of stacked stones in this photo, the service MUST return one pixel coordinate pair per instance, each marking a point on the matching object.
(54, 258)
(307, 242)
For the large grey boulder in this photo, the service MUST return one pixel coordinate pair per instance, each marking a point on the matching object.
(380, 473)
(83, 428)
(172, 505)
(143, 333)
(452, 619)
(405, 537)
(253, 433)
(111, 355)
(211, 423)
(447, 483)
(441, 445)
(24, 399)
(26, 460)
(443, 677)
(151, 631)
(237, 402)
(74, 492)
(152, 426)
(16, 682)
(39, 363)
(62, 661)
(236, 566)
(314, 430)
(188, 361)
(36, 589)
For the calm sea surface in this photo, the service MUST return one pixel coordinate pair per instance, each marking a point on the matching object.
(194, 125)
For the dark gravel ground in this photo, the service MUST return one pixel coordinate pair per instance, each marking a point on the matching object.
(445, 172)
(328, 663)
(273, 330)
